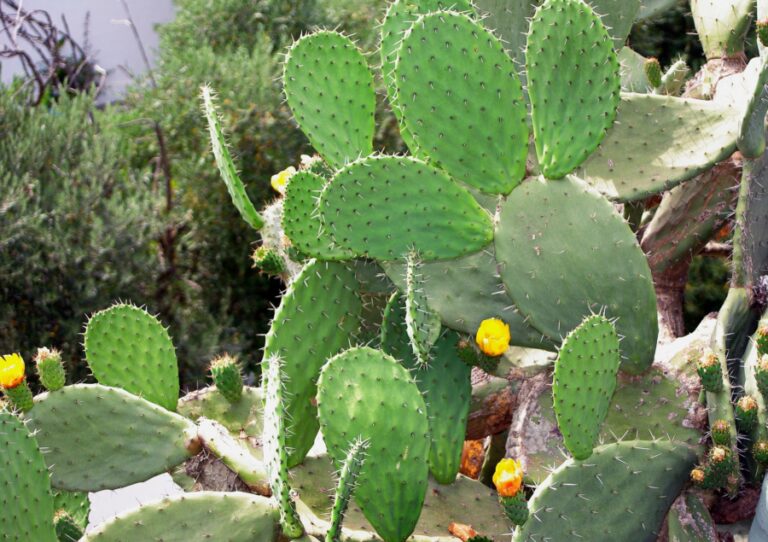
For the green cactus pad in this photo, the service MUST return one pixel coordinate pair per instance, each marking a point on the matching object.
(618, 16)
(105, 438)
(466, 291)
(573, 84)
(25, 485)
(50, 369)
(301, 222)
(307, 330)
(401, 14)
(722, 25)
(565, 253)
(465, 501)
(128, 348)
(226, 166)
(194, 517)
(584, 382)
(350, 470)
(622, 492)
(76, 504)
(330, 91)
(472, 125)
(408, 206)
(365, 393)
(689, 520)
(445, 384)
(658, 142)
(422, 323)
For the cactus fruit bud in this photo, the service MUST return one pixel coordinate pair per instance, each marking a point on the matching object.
(746, 412)
(761, 338)
(697, 476)
(268, 261)
(227, 377)
(762, 31)
(761, 374)
(315, 164)
(708, 367)
(720, 466)
(14, 383)
(67, 530)
(493, 337)
(760, 452)
(652, 70)
(280, 180)
(721, 433)
(470, 355)
(515, 508)
(50, 369)
(508, 479)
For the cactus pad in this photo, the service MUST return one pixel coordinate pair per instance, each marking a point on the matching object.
(330, 91)
(565, 253)
(658, 142)
(301, 222)
(25, 485)
(618, 16)
(77, 506)
(473, 124)
(722, 26)
(128, 348)
(317, 318)
(584, 382)
(194, 517)
(105, 438)
(573, 84)
(422, 324)
(408, 205)
(689, 520)
(622, 492)
(365, 393)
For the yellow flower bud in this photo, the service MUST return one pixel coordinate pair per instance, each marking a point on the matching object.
(493, 337)
(508, 477)
(280, 180)
(11, 371)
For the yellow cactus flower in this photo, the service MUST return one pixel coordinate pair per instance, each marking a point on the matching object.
(493, 337)
(698, 475)
(508, 477)
(11, 371)
(280, 180)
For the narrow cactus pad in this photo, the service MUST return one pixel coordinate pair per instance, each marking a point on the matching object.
(401, 14)
(473, 124)
(301, 220)
(126, 347)
(25, 485)
(658, 142)
(622, 492)
(330, 91)
(422, 323)
(385, 206)
(585, 379)
(467, 290)
(573, 84)
(105, 438)
(368, 394)
(465, 501)
(564, 253)
(445, 384)
(226, 166)
(316, 319)
(195, 517)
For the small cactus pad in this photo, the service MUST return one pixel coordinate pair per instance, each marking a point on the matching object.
(25, 485)
(584, 382)
(658, 142)
(330, 91)
(301, 222)
(652, 70)
(365, 393)
(722, 26)
(194, 517)
(268, 260)
(225, 371)
(128, 348)
(316, 319)
(408, 205)
(468, 290)
(465, 501)
(227, 168)
(573, 84)
(105, 438)
(565, 253)
(473, 124)
(50, 369)
(689, 520)
(422, 324)
(350, 470)
(622, 492)
(445, 384)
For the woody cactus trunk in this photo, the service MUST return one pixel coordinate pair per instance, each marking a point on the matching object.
(502, 279)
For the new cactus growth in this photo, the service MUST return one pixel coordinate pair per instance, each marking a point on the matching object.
(760, 452)
(13, 382)
(721, 433)
(746, 413)
(50, 369)
(708, 367)
(67, 529)
(652, 70)
(508, 479)
(268, 261)
(761, 340)
(226, 374)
